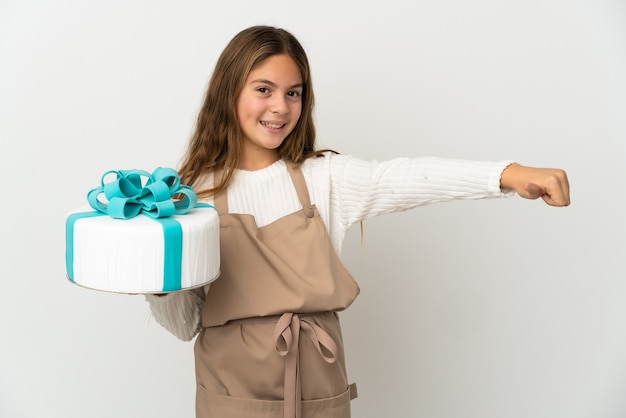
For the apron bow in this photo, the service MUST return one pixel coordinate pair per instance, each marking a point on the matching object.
(286, 337)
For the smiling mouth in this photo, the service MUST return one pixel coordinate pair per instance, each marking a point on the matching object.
(273, 125)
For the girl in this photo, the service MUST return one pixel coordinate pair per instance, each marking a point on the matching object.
(268, 336)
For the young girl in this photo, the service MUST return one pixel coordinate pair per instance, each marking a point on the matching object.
(268, 337)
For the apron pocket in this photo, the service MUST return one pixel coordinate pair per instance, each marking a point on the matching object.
(212, 405)
(335, 407)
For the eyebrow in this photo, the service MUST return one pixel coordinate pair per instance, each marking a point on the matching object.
(271, 83)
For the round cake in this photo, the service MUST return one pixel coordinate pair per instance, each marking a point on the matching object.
(142, 254)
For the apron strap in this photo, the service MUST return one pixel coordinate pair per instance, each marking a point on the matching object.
(300, 184)
(219, 200)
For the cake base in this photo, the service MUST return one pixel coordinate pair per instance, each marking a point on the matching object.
(142, 255)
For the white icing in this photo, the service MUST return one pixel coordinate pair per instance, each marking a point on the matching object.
(126, 256)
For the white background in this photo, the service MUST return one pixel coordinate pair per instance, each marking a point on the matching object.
(498, 308)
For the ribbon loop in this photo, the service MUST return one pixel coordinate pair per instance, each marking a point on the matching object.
(123, 208)
(154, 192)
(167, 176)
(325, 345)
(135, 192)
(162, 209)
(188, 201)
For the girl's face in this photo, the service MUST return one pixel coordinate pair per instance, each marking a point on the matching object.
(268, 109)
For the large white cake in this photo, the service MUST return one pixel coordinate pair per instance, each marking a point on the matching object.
(142, 254)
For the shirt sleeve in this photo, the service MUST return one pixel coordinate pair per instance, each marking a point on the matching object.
(179, 312)
(360, 190)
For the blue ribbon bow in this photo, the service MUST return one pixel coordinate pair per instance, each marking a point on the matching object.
(136, 191)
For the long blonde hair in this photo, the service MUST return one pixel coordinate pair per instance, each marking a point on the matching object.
(217, 139)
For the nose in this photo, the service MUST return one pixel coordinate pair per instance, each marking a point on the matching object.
(279, 105)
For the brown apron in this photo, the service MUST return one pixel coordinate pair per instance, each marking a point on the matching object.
(271, 344)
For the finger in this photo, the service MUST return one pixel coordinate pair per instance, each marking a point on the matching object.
(561, 198)
(559, 192)
(555, 196)
(565, 189)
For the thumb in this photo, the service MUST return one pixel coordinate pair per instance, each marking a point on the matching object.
(533, 191)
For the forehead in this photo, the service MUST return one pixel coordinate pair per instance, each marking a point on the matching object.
(278, 69)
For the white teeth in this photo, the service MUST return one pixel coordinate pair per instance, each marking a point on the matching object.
(272, 125)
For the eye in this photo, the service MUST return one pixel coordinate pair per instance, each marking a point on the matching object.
(294, 93)
(263, 90)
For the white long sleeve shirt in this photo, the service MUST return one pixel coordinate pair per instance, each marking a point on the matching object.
(345, 190)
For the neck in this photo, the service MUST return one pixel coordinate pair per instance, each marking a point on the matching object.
(252, 161)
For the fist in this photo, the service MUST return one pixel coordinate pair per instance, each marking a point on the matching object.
(550, 184)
